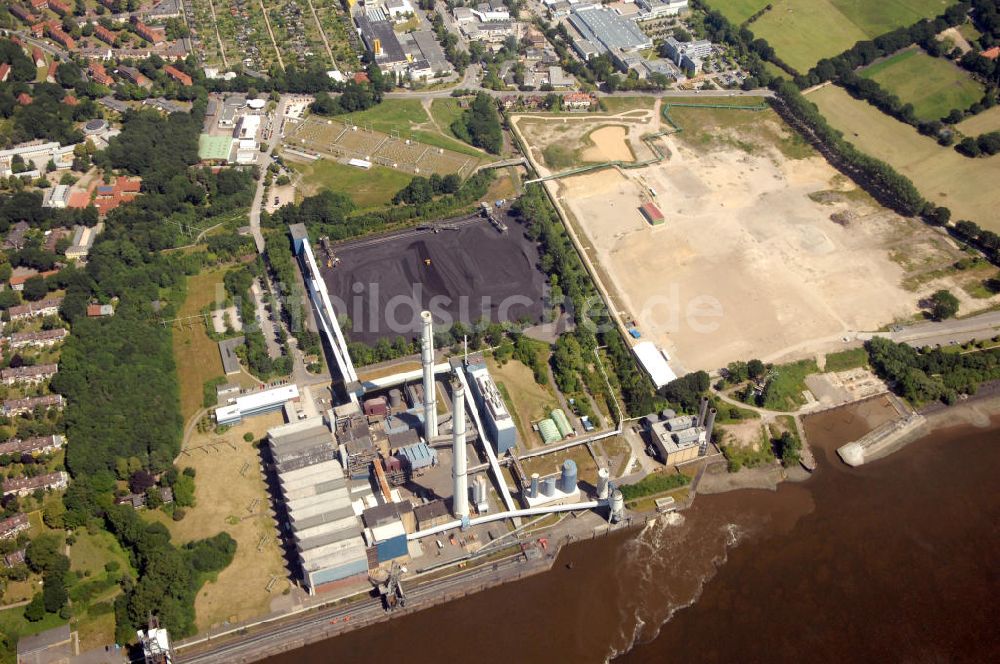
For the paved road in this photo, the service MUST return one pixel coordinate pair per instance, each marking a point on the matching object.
(258, 197)
(331, 621)
(982, 326)
(666, 94)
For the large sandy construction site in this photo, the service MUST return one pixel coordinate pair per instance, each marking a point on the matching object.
(765, 251)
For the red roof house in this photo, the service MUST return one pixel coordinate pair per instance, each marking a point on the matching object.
(177, 75)
(24, 99)
(4, 72)
(991, 53)
(38, 56)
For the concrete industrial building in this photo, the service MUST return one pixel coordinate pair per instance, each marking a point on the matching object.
(317, 500)
(256, 404)
(688, 55)
(606, 31)
(498, 422)
(679, 439)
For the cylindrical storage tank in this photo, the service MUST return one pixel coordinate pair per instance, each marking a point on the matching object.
(549, 486)
(569, 476)
(533, 491)
(617, 506)
(603, 477)
(395, 398)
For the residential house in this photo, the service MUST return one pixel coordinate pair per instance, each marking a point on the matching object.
(50, 75)
(105, 35)
(121, 190)
(49, 307)
(33, 446)
(135, 76)
(39, 5)
(60, 7)
(40, 339)
(577, 101)
(14, 407)
(14, 559)
(17, 282)
(24, 99)
(23, 486)
(4, 72)
(100, 310)
(12, 526)
(152, 35)
(31, 375)
(15, 238)
(178, 75)
(38, 56)
(23, 14)
(60, 37)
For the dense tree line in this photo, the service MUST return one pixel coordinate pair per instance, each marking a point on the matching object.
(572, 291)
(928, 374)
(479, 125)
(984, 145)
(333, 214)
(423, 190)
(985, 240)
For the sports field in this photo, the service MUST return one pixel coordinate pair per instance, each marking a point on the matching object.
(372, 188)
(352, 137)
(410, 120)
(966, 186)
(804, 31)
(933, 85)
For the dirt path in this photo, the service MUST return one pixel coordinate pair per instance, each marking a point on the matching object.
(274, 43)
(960, 41)
(215, 22)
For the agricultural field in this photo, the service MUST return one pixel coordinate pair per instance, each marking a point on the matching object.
(987, 121)
(965, 186)
(372, 188)
(804, 31)
(934, 86)
(232, 33)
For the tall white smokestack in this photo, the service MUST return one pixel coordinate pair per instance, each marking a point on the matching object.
(430, 394)
(459, 470)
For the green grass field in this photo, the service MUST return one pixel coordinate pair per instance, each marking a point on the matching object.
(804, 31)
(846, 359)
(785, 391)
(409, 118)
(966, 186)
(933, 85)
(445, 112)
(371, 188)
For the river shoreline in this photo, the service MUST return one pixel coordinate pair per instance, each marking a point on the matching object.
(977, 410)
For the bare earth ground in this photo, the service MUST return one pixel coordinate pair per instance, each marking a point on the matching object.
(593, 139)
(747, 264)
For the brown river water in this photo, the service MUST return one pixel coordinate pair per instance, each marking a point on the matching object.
(895, 561)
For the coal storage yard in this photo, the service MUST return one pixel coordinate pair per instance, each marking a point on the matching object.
(461, 270)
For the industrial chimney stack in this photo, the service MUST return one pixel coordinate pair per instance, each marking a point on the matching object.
(460, 505)
(430, 393)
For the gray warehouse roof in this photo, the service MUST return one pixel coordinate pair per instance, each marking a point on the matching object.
(608, 31)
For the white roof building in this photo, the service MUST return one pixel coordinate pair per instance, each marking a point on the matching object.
(255, 404)
(654, 361)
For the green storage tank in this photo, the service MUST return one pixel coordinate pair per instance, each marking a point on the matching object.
(562, 422)
(549, 431)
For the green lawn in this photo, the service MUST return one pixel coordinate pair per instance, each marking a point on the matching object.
(804, 31)
(13, 625)
(372, 188)
(445, 112)
(933, 85)
(409, 118)
(846, 359)
(91, 552)
(785, 389)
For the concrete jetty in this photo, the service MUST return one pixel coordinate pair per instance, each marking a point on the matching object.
(879, 440)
